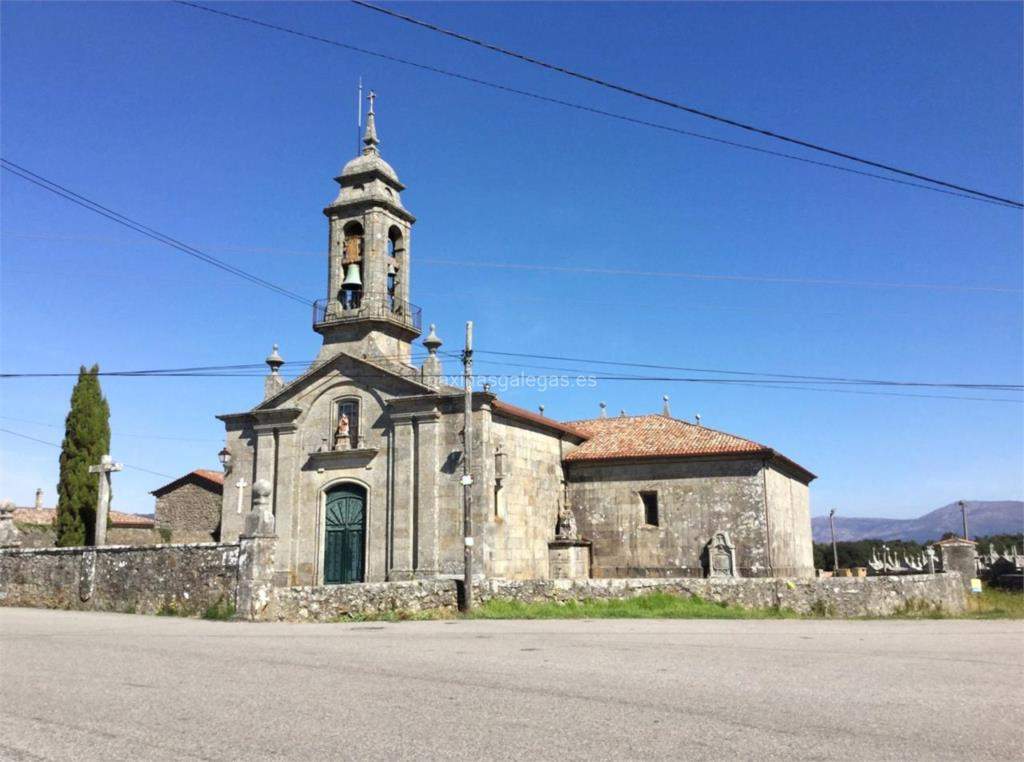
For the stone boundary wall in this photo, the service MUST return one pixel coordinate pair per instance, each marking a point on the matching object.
(329, 602)
(842, 597)
(183, 579)
(187, 579)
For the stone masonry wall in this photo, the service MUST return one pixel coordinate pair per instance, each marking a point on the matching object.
(185, 578)
(791, 552)
(843, 597)
(695, 500)
(191, 512)
(524, 510)
(327, 603)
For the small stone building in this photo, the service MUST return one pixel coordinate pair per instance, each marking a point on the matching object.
(363, 451)
(189, 508)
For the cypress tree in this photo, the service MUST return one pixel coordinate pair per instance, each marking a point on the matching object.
(86, 440)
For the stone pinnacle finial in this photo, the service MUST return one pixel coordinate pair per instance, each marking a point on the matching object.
(274, 360)
(370, 136)
(432, 342)
(665, 410)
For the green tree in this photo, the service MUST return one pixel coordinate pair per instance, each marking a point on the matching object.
(86, 440)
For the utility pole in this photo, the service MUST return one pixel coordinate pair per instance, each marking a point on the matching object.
(835, 553)
(467, 476)
(963, 512)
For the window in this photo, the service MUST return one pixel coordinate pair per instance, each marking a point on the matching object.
(650, 501)
(346, 432)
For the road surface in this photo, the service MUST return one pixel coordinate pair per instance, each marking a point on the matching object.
(96, 686)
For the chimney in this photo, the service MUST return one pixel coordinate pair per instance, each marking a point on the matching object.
(604, 409)
(39, 498)
(665, 409)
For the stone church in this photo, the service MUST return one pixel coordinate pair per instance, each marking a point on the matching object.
(363, 451)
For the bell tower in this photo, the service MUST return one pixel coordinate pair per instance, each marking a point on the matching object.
(367, 312)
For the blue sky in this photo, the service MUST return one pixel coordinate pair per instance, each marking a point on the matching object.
(227, 136)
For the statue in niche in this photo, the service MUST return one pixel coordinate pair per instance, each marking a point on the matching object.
(565, 529)
(721, 556)
(342, 439)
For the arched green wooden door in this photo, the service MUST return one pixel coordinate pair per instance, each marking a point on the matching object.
(345, 527)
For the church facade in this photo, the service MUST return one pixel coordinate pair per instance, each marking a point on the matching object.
(363, 451)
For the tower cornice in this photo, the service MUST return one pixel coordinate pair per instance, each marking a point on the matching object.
(360, 205)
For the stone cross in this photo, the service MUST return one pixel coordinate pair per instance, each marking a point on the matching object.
(240, 485)
(104, 469)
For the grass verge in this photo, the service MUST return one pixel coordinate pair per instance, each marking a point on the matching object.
(650, 606)
(994, 603)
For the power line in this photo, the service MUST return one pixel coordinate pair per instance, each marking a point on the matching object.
(719, 277)
(581, 107)
(54, 444)
(781, 376)
(751, 379)
(579, 269)
(119, 433)
(149, 232)
(681, 107)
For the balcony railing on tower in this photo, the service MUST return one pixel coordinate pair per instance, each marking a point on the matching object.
(358, 305)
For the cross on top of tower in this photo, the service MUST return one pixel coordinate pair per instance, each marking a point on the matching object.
(370, 137)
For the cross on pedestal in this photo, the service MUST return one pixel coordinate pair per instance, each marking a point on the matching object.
(104, 469)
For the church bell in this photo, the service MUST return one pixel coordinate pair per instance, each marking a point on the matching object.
(352, 280)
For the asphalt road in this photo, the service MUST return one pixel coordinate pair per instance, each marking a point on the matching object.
(111, 686)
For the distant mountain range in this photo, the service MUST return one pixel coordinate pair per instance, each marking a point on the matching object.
(983, 518)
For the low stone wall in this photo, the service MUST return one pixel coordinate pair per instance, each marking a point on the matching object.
(843, 597)
(183, 579)
(187, 579)
(330, 602)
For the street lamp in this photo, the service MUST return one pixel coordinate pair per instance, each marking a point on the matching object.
(835, 553)
(224, 456)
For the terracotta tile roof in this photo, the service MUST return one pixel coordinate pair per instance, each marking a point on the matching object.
(513, 411)
(214, 478)
(653, 436)
(44, 517)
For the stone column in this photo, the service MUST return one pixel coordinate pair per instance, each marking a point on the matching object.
(256, 552)
(402, 497)
(428, 469)
(289, 462)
